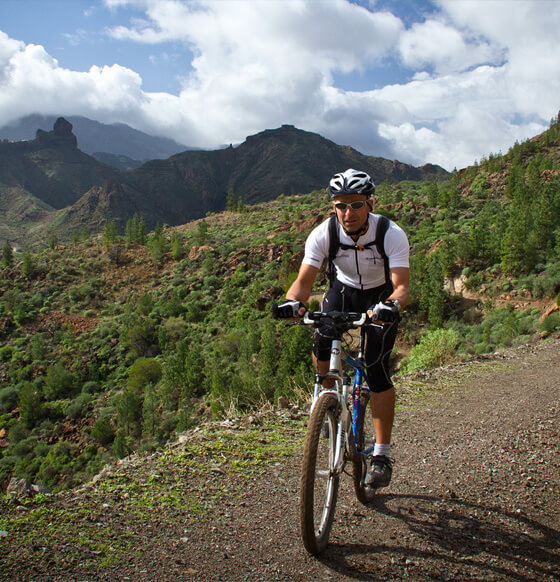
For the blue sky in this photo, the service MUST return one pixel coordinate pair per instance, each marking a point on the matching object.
(445, 82)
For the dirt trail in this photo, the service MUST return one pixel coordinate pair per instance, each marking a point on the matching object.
(475, 496)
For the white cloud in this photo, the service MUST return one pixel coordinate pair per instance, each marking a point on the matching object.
(471, 114)
(483, 74)
(444, 48)
(270, 61)
(32, 81)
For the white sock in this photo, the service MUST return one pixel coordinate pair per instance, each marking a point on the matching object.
(381, 449)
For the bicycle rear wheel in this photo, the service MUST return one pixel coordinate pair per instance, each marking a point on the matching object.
(366, 440)
(319, 483)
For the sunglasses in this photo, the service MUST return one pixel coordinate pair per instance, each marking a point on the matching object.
(356, 205)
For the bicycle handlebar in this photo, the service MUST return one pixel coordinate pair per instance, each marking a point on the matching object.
(336, 318)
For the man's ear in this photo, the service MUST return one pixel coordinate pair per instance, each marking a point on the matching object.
(370, 203)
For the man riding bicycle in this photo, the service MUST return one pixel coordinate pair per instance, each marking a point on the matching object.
(365, 279)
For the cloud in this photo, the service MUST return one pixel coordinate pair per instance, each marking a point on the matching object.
(256, 61)
(443, 47)
(464, 114)
(481, 75)
(32, 81)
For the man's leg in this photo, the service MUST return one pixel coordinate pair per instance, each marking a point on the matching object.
(322, 368)
(383, 412)
(382, 402)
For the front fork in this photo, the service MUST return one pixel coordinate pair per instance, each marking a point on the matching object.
(340, 392)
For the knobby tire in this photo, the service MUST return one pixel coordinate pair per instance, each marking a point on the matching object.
(319, 483)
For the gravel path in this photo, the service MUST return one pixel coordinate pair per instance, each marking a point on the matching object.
(475, 496)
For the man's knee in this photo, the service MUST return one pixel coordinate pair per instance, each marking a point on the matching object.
(322, 343)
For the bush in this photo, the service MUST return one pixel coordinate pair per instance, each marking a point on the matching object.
(141, 338)
(8, 398)
(29, 401)
(144, 371)
(58, 465)
(78, 406)
(103, 432)
(434, 349)
(59, 382)
(551, 324)
(91, 388)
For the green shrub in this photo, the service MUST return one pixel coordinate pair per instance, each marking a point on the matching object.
(59, 382)
(58, 465)
(145, 305)
(103, 431)
(142, 338)
(6, 353)
(55, 410)
(434, 349)
(91, 388)
(144, 371)
(551, 324)
(29, 402)
(78, 407)
(8, 398)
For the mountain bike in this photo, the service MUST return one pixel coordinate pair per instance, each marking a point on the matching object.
(339, 430)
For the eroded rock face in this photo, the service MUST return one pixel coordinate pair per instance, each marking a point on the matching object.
(60, 135)
(62, 127)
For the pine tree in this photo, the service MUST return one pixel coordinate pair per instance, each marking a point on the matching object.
(231, 201)
(202, 232)
(129, 412)
(150, 420)
(518, 243)
(29, 404)
(28, 265)
(110, 233)
(7, 256)
(53, 240)
(432, 293)
(177, 247)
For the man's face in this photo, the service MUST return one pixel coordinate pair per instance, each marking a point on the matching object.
(352, 219)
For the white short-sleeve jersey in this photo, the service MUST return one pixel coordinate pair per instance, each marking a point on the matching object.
(361, 269)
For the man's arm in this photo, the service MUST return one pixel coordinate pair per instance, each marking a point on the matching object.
(300, 290)
(385, 311)
(400, 277)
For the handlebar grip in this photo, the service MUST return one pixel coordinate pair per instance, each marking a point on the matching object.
(274, 310)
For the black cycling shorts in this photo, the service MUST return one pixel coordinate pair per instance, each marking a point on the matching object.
(379, 342)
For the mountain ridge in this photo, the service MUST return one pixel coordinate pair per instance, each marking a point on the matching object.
(86, 193)
(95, 137)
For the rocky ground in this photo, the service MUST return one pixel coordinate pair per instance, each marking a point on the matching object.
(475, 495)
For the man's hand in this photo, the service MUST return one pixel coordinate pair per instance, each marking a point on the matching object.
(386, 311)
(288, 310)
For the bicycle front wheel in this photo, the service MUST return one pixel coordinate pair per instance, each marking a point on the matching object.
(319, 482)
(366, 440)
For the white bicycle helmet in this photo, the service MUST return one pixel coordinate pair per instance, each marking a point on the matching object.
(351, 182)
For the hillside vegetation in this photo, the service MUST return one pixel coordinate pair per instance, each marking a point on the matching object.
(113, 344)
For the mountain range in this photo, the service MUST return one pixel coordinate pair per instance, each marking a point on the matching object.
(50, 184)
(115, 144)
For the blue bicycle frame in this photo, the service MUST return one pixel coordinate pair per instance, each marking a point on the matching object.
(360, 386)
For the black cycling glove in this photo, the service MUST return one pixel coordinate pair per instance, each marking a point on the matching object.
(287, 310)
(386, 311)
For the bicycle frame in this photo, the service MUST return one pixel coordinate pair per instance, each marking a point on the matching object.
(341, 391)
